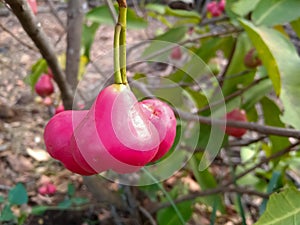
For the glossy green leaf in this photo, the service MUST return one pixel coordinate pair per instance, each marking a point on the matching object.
(273, 12)
(168, 216)
(102, 15)
(71, 190)
(7, 214)
(18, 195)
(65, 204)
(274, 58)
(183, 13)
(296, 26)
(39, 209)
(206, 181)
(290, 94)
(282, 208)
(198, 97)
(272, 114)
(243, 7)
(256, 93)
(88, 35)
(158, 8)
(36, 71)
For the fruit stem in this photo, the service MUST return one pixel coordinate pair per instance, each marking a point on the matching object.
(122, 21)
(117, 72)
(120, 45)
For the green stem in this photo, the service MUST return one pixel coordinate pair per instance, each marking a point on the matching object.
(117, 72)
(122, 21)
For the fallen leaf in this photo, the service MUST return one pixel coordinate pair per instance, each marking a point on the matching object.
(38, 154)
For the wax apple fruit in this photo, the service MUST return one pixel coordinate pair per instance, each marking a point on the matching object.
(57, 137)
(116, 134)
(163, 118)
(251, 59)
(44, 86)
(236, 115)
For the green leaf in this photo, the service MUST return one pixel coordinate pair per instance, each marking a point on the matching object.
(71, 190)
(39, 209)
(167, 216)
(243, 7)
(7, 214)
(272, 118)
(282, 208)
(275, 59)
(159, 8)
(2, 199)
(296, 26)
(79, 201)
(183, 13)
(102, 15)
(36, 71)
(206, 181)
(173, 35)
(256, 93)
(273, 12)
(88, 35)
(65, 204)
(290, 94)
(18, 195)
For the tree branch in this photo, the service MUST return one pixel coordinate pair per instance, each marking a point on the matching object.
(74, 33)
(263, 129)
(34, 30)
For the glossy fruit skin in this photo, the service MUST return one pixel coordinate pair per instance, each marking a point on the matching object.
(176, 53)
(116, 134)
(57, 137)
(222, 4)
(216, 8)
(162, 117)
(236, 115)
(44, 86)
(251, 59)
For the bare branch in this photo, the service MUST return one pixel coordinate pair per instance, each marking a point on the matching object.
(34, 30)
(74, 32)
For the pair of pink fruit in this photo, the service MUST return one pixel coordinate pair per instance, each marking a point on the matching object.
(117, 133)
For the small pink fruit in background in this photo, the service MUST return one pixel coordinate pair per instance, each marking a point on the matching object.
(47, 189)
(176, 53)
(251, 59)
(33, 5)
(222, 4)
(47, 101)
(57, 137)
(215, 8)
(60, 108)
(163, 118)
(236, 115)
(44, 86)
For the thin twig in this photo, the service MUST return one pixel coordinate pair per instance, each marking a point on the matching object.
(232, 95)
(264, 161)
(29, 23)
(148, 215)
(54, 13)
(17, 38)
(263, 129)
(112, 10)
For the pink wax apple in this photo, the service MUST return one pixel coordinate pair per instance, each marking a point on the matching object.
(33, 6)
(116, 134)
(163, 118)
(57, 137)
(44, 86)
